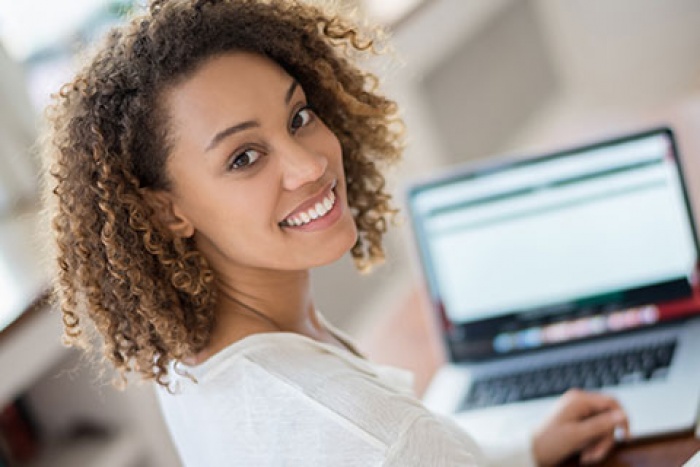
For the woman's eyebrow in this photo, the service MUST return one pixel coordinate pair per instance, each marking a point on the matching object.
(247, 124)
(290, 92)
(229, 131)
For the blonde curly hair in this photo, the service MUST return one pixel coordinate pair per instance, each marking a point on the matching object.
(148, 294)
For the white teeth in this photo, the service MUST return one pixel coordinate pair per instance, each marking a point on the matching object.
(319, 210)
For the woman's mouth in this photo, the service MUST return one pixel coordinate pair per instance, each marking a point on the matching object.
(317, 211)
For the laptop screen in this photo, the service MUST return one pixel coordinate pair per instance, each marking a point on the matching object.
(564, 247)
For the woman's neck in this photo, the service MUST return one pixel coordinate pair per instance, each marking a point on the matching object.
(265, 301)
(282, 299)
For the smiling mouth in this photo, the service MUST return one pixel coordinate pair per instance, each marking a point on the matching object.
(318, 211)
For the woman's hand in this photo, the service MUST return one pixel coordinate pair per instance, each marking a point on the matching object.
(582, 422)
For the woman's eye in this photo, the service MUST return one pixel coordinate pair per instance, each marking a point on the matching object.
(244, 159)
(302, 118)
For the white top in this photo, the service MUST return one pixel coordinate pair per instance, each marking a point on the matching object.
(282, 399)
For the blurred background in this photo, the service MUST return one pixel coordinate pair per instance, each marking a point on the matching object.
(474, 79)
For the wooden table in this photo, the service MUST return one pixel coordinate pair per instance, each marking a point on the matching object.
(406, 337)
(672, 451)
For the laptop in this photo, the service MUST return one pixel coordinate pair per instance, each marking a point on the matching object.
(577, 268)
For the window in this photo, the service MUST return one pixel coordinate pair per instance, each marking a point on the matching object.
(37, 43)
(390, 12)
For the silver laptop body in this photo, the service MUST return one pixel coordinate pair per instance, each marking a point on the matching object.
(572, 269)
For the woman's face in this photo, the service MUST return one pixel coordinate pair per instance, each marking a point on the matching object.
(257, 177)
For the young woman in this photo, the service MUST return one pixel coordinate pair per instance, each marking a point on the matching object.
(208, 156)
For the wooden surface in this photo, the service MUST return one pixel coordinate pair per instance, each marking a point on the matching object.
(665, 452)
(406, 337)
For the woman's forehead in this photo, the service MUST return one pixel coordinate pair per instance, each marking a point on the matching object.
(242, 75)
(227, 90)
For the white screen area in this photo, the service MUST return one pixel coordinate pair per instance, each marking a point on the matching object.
(560, 230)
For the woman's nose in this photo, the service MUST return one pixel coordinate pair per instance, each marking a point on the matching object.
(301, 165)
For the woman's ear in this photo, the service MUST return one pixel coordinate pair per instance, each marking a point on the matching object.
(168, 212)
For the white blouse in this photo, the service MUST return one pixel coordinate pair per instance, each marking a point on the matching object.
(282, 399)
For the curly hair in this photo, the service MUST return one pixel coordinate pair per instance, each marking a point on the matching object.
(148, 294)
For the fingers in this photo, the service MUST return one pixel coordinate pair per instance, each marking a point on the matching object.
(597, 419)
(596, 452)
(601, 425)
(582, 422)
(600, 448)
(598, 434)
(579, 404)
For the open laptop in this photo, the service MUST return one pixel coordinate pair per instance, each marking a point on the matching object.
(571, 269)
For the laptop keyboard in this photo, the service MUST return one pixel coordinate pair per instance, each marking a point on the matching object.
(612, 369)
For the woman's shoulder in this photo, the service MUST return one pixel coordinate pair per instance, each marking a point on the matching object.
(315, 369)
(275, 352)
(292, 377)
(283, 353)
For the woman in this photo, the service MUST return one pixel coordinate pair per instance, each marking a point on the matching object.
(203, 161)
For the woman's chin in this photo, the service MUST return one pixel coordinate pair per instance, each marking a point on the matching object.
(335, 248)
